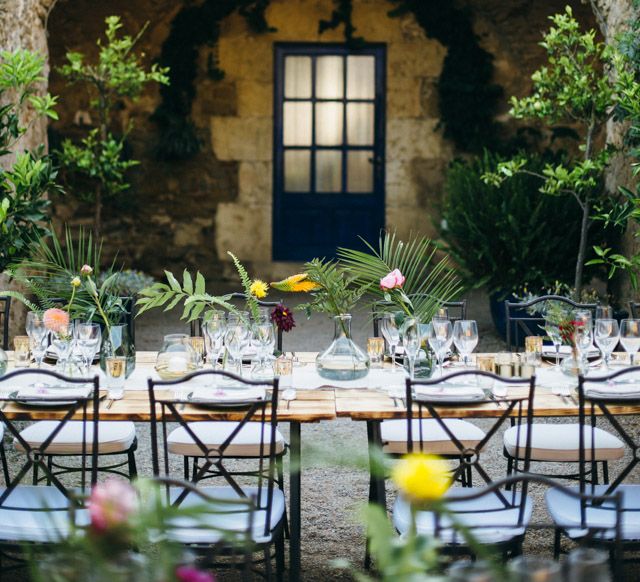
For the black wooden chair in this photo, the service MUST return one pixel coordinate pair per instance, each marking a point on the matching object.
(634, 309)
(215, 445)
(5, 310)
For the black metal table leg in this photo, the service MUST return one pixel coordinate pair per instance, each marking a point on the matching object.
(295, 473)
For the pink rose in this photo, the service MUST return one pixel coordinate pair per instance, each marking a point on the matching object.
(191, 574)
(111, 503)
(393, 280)
(86, 270)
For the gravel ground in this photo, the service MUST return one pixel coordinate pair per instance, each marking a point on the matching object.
(334, 489)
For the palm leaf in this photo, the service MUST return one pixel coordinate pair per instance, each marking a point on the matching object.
(429, 280)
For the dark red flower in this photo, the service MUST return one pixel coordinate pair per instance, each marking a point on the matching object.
(283, 318)
(191, 574)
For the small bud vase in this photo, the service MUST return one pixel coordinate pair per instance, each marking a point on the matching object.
(343, 359)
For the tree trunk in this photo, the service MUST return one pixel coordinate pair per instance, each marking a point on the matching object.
(97, 215)
(582, 250)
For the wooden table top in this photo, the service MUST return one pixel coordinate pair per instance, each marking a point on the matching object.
(325, 403)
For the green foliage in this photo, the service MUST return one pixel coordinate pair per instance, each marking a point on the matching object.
(428, 281)
(23, 185)
(197, 302)
(252, 303)
(129, 282)
(506, 236)
(339, 290)
(118, 73)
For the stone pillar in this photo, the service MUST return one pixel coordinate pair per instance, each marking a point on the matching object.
(23, 25)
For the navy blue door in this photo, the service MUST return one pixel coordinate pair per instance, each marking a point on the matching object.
(328, 148)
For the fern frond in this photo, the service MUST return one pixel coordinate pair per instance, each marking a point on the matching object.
(20, 297)
(252, 302)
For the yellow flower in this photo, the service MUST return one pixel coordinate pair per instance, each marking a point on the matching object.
(296, 283)
(75, 282)
(259, 289)
(422, 477)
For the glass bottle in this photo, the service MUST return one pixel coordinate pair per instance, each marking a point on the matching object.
(343, 359)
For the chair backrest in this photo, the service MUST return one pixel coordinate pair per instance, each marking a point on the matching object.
(22, 391)
(517, 407)
(456, 310)
(634, 309)
(5, 310)
(169, 407)
(196, 324)
(523, 321)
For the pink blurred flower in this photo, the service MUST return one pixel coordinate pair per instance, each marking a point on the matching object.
(191, 574)
(86, 270)
(394, 280)
(56, 320)
(111, 503)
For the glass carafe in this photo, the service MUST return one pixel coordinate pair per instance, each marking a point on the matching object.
(176, 358)
(343, 359)
(117, 342)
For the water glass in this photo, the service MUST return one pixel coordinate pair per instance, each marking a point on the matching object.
(375, 351)
(198, 345)
(390, 332)
(38, 334)
(630, 336)
(236, 339)
(411, 339)
(264, 341)
(604, 312)
(607, 335)
(534, 569)
(440, 337)
(588, 565)
(21, 351)
(485, 364)
(115, 369)
(533, 345)
(465, 337)
(284, 371)
(87, 337)
(213, 329)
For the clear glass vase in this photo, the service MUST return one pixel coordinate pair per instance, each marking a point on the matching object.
(343, 359)
(117, 342)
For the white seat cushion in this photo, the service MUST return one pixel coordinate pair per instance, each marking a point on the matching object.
(17, 523)
(212, 434)
(209, 526)
(488, 519)
(434, 438)
(565, 511)
(113, 437)
(559, 442)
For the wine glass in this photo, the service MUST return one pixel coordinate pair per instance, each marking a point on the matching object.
(606, 334)
(604, 312)
(38, 333)
(62, 340)
(465, 337)
(213, 329)
(411, 340)
(583, 332)
(630, 336)
(236, 339)
(87, 337)
(264, 340)
(552, 329)
(391, 333)
(440, 336)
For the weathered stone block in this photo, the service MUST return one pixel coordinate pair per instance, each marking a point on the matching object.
(255, 181)
(255, 99)
(242, 139)
(410, 221)
(404, 97)
(413, 138)
(373, 23)
(422, 59)
(247, 234)
(247, 58)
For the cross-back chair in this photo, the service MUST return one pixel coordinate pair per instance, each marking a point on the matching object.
(508, 511)
(5, 310)
(174, 435)
(596, 397)
(35, 515)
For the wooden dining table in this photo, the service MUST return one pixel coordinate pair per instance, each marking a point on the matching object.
(309, 406)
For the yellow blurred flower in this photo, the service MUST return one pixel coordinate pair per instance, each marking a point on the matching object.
(259, 289)
(75, 282)
(296, 283)
(422, 477)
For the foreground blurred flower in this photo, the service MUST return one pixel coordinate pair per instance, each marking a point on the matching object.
(86, 270)
(259, 288)
(191, 574)
(422, 477)
(283, 318)
(394, 280)
(75, 282)
(111, 504)
(296, 283)
(56, 320)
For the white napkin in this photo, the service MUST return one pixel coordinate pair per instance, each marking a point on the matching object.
(451, 391)
(222, 394)
(52, 393)
(614, 389)
(307, 378)
(566, 351)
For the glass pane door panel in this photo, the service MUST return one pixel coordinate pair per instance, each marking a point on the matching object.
(329, 118)
(297, 77)
(360, 171)
(360, 123)
(361, 77)
(297, 124)
(297, 170)
(329, 77)
(328, 171)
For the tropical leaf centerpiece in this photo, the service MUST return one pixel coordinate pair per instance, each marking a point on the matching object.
(405, 276)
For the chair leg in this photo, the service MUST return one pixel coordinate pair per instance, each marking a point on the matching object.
(605, 472)
(280, 556)
(186, 468)
(5, 467)
(133, 468)
(50, 467)
(268, 574)
(35, 470)
(556, 544)
(280, 482)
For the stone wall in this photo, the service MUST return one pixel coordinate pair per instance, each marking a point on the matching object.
(189, 214)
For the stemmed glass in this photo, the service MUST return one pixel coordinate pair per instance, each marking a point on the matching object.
(391, 333)
(606, 334)
(214, 328)
(87, 337)
(38, 333)
(630, 336)
(465, 338)
(264, 340)
(440, 336)
(411, 340)
(62, 340)
(236, 339)
(553, 331)
(583, 332)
